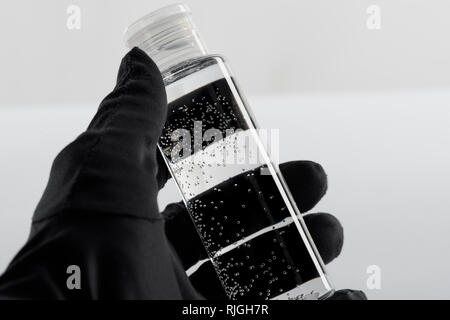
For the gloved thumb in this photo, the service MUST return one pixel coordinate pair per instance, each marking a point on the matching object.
(112, 167)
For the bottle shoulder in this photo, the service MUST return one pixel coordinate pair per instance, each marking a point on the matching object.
(190, 66)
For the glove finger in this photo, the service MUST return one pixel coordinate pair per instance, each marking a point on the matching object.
(112, 166)
(348, 294)
(306, 179)
(327, 234)
(307, 182)
(138, 104)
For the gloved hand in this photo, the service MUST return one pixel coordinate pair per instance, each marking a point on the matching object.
(99, 211)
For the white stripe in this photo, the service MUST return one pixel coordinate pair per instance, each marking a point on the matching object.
(218, 162)
(196, 266)
(275, 226)
(220, 252)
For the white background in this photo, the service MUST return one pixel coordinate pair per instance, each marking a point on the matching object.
(372, 106)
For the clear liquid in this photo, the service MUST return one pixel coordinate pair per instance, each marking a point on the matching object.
(243, 217)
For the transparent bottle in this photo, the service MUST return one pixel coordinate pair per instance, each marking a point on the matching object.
(236, 196)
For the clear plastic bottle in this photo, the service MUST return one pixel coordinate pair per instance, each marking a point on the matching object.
(236, 196)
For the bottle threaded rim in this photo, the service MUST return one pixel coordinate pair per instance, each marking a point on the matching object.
(167, 35)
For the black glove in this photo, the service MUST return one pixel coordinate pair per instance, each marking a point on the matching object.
(99, 211)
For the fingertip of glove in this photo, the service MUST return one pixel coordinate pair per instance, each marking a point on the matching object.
(172, 210)
(141, 91)
(348, 294)
(327, 233)
(137, 64)
(307, 181)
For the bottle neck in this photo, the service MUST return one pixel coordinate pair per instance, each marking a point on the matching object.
(168, 36)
